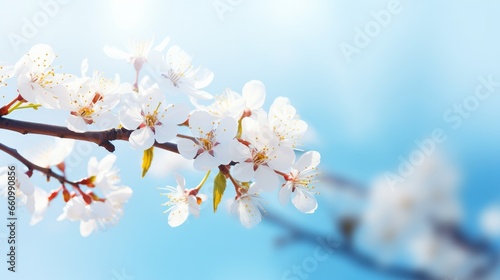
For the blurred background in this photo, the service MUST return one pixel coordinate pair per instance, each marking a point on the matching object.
(371, 78)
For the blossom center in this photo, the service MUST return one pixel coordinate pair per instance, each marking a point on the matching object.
(259, 158)
(207, 143)
(41, 78)
(151, 119)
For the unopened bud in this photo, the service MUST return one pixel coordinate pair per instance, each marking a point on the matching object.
(66, 195)
(61, 166)
(94, 196)
(86, 198)
(53, 195)
(29, 173)
(89, 182)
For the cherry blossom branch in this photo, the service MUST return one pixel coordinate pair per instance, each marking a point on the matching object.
(101, 138)
(31, 166)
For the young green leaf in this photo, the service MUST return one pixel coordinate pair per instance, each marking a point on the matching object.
(219, 188)
(147, 159)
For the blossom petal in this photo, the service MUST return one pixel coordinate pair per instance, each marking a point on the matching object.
(205, 162)
(178, 215)
(223, 153)
(107, 163)
(203, 77)
(187, 148)
(76, 124)
(247, 211)
(281, 159)
(285, 194)
(304, 201)
(106, 120)
(181, 181)
(142, 138)
(308, 160)
(131, 118)
(87, 227)
(254, 93)
(266, 179)
(176, 114)
(201, 123)
(194, 208)
(240, 151)
(165, 132)
(243, 171)
(37, 204)
(226, 130)
(25, 185)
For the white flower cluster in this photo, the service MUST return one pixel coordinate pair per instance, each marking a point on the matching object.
(252, 149)
(102, 211)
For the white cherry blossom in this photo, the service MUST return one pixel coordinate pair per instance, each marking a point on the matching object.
(137, 53)
(37, 81)
(213, 140)
(98, 214)
(248, 207)
(235, 105)
(254, 94)
(104, 211)
(152, 119)
(49, 153)
(103, 174)
(299, 182)
(181, 202)
(285, 122)
(260, 156)
(90, 101)
(228, 104)
(176, 73)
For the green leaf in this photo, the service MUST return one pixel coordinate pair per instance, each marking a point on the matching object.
(219, 188)
(147, 159)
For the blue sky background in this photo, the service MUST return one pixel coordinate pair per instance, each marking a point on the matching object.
(364, 115)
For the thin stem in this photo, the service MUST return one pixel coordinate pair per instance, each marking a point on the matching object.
(237, 186)
(285, 176)
(18, 103)
(31, 166)
(187, 137)
(34, 106)
(204, 180)
(5, 109)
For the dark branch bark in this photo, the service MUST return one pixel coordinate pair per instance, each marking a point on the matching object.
(101, 138)
(31, 166)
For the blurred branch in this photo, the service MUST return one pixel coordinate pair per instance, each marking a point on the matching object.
(478, 247)
(452, 232)
(101, 138)
(347, 250)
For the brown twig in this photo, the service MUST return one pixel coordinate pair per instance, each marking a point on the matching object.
(101, 138)
(31, 166)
